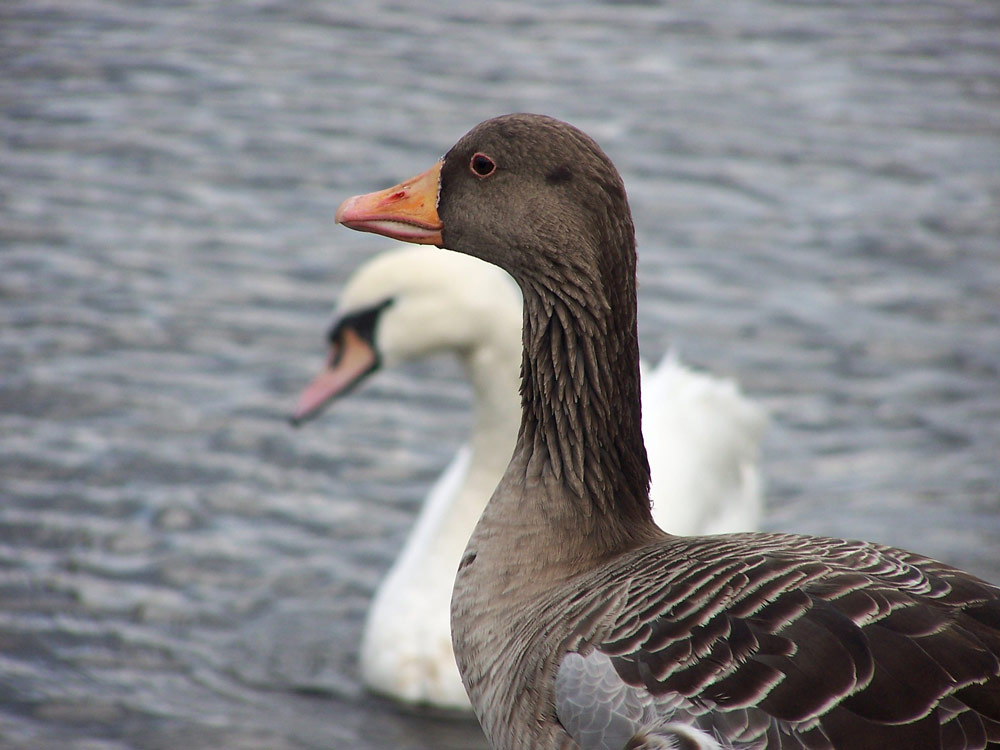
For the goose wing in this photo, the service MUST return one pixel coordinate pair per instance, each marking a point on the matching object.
(777, 641)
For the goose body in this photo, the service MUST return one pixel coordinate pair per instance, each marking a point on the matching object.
(577, 623)
(411, 302)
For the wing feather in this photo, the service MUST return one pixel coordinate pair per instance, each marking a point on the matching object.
(793, 642)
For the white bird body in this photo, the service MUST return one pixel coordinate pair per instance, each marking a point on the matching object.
(702, 435)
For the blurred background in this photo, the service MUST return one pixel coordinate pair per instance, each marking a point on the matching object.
(815, 189)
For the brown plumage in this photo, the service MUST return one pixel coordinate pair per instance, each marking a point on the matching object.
(577, 622)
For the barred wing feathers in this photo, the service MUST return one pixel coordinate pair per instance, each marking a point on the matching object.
(781, 641)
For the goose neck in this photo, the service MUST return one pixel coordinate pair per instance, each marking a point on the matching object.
(580, 434)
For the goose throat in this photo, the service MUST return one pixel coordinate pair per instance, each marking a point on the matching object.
(581, 411)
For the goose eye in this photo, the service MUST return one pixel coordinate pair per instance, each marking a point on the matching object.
(482, 165)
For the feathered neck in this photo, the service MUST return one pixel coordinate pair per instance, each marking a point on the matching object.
(581, 432)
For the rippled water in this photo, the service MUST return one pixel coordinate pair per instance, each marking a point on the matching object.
(816, 189)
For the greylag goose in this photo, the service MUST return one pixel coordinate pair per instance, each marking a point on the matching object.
(410, 302)
(578, 623)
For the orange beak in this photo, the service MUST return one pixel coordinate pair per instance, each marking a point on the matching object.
(405, 212)
(351, 359)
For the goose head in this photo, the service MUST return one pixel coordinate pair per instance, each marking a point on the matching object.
(529, 193)
(404, 305)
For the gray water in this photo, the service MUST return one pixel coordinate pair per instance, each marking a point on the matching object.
(816, 190)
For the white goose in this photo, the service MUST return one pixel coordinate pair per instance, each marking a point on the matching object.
(702, 435)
